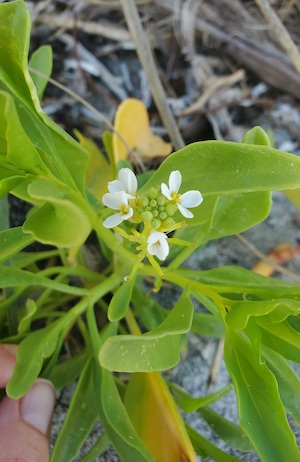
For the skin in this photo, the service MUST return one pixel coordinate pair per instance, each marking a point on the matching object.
(19, 440)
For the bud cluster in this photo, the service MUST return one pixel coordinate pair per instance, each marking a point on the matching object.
(155, 209)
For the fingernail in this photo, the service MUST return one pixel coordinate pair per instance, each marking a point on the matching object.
(37, 405)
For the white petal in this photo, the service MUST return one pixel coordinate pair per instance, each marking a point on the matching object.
(115, 200)
(191, 199)
(115, 186)
(162, 251)
(158, 245)
(113, 220)
(128, 179)
(165, 191)
(175, 180)
(185, 212)
(155, 236)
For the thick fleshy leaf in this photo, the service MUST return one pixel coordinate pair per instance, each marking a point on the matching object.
(15, 277)
(59, 221)
(80, 419)
(12, 241)
(207, 325)
(26, 319)
(132, 124)
(221, 168)
(120, 301)
(156, 418)
(60, 153)
(261, 412)
(21, 152)
(156, 350)
(257, 136)
(238, 280)
(205, 448)
(240, 312)
(32, 351)
(115, 420)
(190, 404)
(41, 61)
(231, 433)
(288, 382)
(281, 337)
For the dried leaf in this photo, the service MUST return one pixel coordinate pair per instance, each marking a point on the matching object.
(132, 124)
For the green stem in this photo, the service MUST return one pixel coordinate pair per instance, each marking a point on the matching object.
(131, 323)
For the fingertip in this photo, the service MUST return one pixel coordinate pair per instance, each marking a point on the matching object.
(37, 405)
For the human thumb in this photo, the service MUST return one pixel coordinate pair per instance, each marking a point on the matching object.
(25, 424)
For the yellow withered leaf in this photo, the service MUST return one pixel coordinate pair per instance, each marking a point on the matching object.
(132, 124)
(99, 171)
(157, 419)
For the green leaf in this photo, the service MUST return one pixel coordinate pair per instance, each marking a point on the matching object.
(41, 61)
(240, 312)
(288, 382)
(207, 325)
(222, 168)
(32, 351)
(231, 433)
(156, 350)
(238, 280)
(21, 152)
(257, 136)
(79, 421)
(115, 420)
(67, 372)
(205, 448)
(220, 216)
(15, 277)
(61, 153)
(120, 301)
(25, 322)
(281, 338)
(15, 24)
(261, 411)
(190, 404)
(59, 221)
(12, 241)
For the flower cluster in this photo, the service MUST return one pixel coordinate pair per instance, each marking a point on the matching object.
(155, 210)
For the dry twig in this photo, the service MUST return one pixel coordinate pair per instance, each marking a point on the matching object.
(146, 59)
(281, 32)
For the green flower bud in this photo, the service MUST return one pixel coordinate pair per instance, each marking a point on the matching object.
(170, 209)
(161, 200)
(144, 201)
(153, 203)
(168, 223)
(147, 216)
(161, 208)
(155, 223)
(155, 213)
(153, 194)
(163, 215)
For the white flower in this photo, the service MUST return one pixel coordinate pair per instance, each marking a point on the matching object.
(158, 245)
(117, 201)
(126, 182)
(187, 200)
